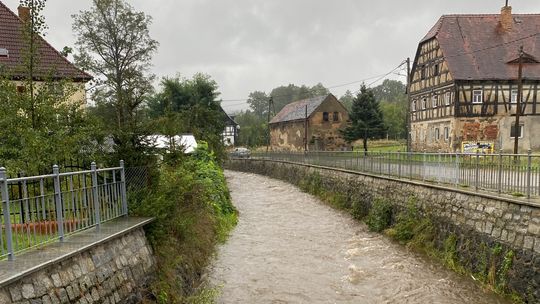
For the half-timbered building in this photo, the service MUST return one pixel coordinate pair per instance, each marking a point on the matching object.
(464, 87)
(230, 133)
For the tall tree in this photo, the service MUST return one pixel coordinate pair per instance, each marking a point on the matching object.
(41, 122)
(114, 44)
(190, 106)
(393, 100)
(253, 132)
(258, 102)
(347, 100)
(366, 118)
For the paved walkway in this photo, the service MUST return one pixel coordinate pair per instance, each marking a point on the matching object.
(36, 259)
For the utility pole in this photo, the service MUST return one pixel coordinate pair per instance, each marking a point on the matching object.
(305, 131)
(517, 129)
(270, 105)
(409, 144)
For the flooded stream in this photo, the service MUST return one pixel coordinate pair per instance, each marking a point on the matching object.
(289, 247)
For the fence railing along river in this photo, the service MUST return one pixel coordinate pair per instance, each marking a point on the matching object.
(515, 174)
(41, 209)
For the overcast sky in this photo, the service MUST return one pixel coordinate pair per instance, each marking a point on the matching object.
(248, 45)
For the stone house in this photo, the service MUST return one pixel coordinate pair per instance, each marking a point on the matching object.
(313, 123)
(50, 65)
(464, 88)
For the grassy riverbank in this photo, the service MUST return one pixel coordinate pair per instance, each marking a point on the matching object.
(193, 211)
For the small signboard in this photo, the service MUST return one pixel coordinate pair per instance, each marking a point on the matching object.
(477, 147)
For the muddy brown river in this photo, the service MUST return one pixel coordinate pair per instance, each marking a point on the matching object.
(289, 247)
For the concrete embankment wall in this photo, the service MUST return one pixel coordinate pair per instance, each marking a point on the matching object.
(483, 225)
(114, 271)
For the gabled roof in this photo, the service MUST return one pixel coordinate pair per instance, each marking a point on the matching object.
(297, 109)
(477, 48)
(50, 63)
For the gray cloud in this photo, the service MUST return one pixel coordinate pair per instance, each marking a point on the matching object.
(249, 45)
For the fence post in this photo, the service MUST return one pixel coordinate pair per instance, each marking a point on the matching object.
(457, 170)
(529, 152)
(95, 197)
(123, 187)
(499, 177)
(58, 202)
(439, 173)
(7, 214)
(424, 169)
(399, 164)
(477, 171)
(409, 156)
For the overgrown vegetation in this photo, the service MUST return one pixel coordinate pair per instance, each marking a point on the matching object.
(193, 211)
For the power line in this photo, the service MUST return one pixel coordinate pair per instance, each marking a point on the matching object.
(379, 77)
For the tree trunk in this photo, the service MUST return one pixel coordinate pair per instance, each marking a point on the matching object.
(365, 146)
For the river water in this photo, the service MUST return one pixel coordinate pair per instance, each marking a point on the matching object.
(289, 247)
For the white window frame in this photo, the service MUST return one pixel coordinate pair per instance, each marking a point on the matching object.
(446, 133)
(435, 101)
(447, 98)
(424, 103)
(413, 106)
(521, 129)
(514, 96)
(474, 95)
(437, 134)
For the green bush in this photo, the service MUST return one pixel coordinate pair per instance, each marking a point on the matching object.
(193, 211)
(380, 215)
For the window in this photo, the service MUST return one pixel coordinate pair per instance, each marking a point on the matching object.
(478, 96)
(325, 116)
(423, 73)
(437, 134)
(413, 106)
(424, 102)
(513, 131)
(435, 100)
(447, 98)
(446, 134)
(336, 116)
(436, 70)
(514, 96)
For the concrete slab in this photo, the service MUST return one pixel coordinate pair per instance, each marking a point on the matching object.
(36, 259)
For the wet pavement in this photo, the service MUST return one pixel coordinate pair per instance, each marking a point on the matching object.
(289, 247)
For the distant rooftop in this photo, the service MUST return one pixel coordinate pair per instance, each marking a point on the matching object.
(297, 109)
(477, 47)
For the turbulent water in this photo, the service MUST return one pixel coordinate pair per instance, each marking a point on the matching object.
(291, 248)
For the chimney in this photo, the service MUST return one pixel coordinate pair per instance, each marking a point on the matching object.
(24, 13)
(507, 21)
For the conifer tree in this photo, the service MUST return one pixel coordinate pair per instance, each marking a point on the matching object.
(366, 118)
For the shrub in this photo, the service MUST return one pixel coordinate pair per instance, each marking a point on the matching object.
(193, 211)
(380, 215)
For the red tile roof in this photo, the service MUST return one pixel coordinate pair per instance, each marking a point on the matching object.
(51, 62)
(477, 48)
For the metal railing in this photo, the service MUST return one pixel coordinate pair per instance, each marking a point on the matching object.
(46, 208)
(515, 174)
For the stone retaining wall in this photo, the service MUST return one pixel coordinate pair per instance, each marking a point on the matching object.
(112, 272)
(480, 222)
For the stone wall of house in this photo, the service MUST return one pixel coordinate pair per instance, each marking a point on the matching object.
(116, 271)
(480, 222)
